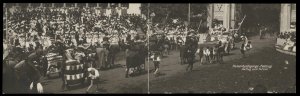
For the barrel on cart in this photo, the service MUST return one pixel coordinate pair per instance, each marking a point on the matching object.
(74, 73)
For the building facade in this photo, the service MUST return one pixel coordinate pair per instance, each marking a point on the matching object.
(227, 15)
(230, 16)
(288, 17)
(103, 8)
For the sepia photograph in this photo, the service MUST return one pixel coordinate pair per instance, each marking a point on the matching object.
(149, 48)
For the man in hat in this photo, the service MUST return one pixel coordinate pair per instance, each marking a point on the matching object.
(190, 58)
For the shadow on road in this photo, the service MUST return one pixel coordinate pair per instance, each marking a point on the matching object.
(101, 90)
(160, 74)
(142, 72)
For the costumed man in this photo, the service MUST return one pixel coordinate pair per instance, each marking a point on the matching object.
(192, 41)
(192, 48)
(190, 58)
(156, 62)
(93, 76)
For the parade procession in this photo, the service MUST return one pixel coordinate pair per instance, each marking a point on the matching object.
(141, 47)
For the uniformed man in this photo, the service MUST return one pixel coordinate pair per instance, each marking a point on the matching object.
(190, 58)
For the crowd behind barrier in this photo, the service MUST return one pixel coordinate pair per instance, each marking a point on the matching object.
(286, 41)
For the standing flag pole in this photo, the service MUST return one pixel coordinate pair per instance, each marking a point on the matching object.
(241, 23)
(6, 34)
(189, 13)
(199, 25)
(148, 46)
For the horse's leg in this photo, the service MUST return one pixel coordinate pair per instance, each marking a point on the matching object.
(113, 59)
(63, 80)
(180, 58)
(127, 68)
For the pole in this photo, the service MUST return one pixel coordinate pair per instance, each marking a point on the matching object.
(241, 23)
(6, 34)
(189, 13)
(148, 11)
(148, 47)
(199, 25)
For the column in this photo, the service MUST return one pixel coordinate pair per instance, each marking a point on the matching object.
(64, 4)
(108, 10)
(226, 16)
(97, 4)
(233, 13)
(119, 9)
(210, 10)
(86, 4)
(41, 5)
(285, 17)
(29, 4)
(108, 6)
(52, 4)
(119, 5)
(75, 5)
(134, 8)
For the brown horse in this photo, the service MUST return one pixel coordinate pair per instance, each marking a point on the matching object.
(18, 75)
(135, 57)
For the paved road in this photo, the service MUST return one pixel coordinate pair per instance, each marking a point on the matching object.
(215, 78)
(204, 78)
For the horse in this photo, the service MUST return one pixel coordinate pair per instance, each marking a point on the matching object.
(183, 55)
(166, 46)
(135, 57)
(112, 51)
(20, 75)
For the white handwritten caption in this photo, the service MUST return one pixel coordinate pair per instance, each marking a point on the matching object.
(253, 67)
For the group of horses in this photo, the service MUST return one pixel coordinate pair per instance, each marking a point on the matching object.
(20, 72)
(20, 68)
(223, 47)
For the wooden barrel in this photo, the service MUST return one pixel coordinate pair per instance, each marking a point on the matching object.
(74, 72)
